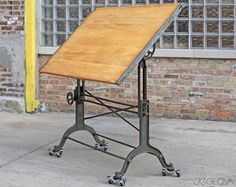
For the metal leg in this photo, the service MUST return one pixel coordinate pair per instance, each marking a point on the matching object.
(93, 133)
(79, 125)
(144, 146)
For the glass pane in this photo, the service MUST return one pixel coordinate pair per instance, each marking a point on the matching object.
(182, 41)
(212, 1)
(227, 12)
(197, 12)
(158, 44)
(86, 2)
(155, 1)
(212, 26)
(197, 1)
(183, 1)
(212, 41)
(86, 11)
(170, 28)
(113, 2)
(100, 2)
(73, 12)
(48, 2)
(48, 12)
(61, 38)
(168, 42)
(184, 13)
(61, 12)
(212, 12)
(168, 1)
(73, 2)
(73, 25)
(61, 26)
(228, 41)
(140, 2)
(48, 26)
(227, 1)
(182, 26)
(228, 26)
(197, 26)
(61, 2)
(48, 39)
(197, 41)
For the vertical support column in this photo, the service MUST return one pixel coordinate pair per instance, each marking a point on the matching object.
(143, 106)
(79, 98)
(30, 53)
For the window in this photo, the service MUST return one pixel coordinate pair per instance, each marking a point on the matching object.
(203, 24)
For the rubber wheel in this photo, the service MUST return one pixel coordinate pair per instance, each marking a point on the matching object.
(110, 181)
(163, 173)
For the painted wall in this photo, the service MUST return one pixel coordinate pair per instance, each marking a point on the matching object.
(12, 53)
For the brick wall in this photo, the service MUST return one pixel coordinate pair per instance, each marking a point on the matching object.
(9, 87)
(12, 56)
(11, 17)
(178, 88)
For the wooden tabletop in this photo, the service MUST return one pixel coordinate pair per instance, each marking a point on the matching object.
(110, 40)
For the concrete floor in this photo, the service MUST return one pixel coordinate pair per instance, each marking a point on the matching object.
(201, 149)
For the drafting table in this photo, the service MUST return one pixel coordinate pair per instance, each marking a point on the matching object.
(106, 48)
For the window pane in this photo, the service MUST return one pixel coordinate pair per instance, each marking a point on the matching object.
(227, 12)
(182, 42)
(212, 26)
(73, 25)
(100, 2)
(48, 26)
(227, 26)
(184, 13)
(140, 1)
(73, 2)
(48, 2)
(61, 12)
(212, 41)
(113, 2)
(212, 11)
(168, 42)
(227, 1)
(48, 39)
(197, 12)
(61, 38)
(155, 1)
(61, 2)
(86, 11)
(227, 41)
(170, 28)
(61, 26)
(212, 1)
(197, 41)
(48, 12)
(198, 26)
(182, 26)
(168, 1)
(73, 12)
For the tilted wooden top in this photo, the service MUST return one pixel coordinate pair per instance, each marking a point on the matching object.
(111, 41)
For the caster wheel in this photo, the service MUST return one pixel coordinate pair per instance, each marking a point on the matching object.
(50, 152)
(163, 173)
(55, 152)
(110, 179)
(120, 180)
(102, 147)
(177, 173)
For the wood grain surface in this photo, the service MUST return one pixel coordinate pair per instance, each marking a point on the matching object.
(108, 42)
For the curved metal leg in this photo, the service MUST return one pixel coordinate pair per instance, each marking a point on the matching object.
(161, 158)
(128, 160)
(93, 133)
(67, 134)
